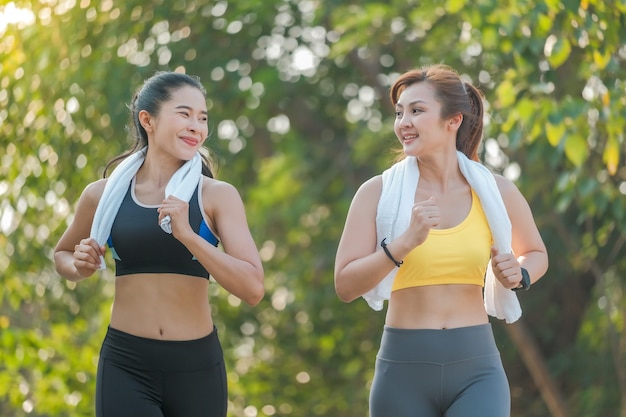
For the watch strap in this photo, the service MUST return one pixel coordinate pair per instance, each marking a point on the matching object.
(525, 283)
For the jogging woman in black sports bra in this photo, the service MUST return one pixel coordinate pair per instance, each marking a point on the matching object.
(161, 355)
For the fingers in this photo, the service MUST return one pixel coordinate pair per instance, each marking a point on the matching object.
(173, 207)
(506, 268)
(427, 212)
(87, 256)
(88, 250)
(425, 215)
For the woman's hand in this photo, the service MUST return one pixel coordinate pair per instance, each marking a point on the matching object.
(87, 257)
(506, 268)
(425, 215)
(178, 210)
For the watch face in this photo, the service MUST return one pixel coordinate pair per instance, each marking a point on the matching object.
(525, 279)
(525, 284)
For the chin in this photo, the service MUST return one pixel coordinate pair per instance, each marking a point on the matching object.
(411, 152)
(187, 154)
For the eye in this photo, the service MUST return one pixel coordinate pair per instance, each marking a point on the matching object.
(184, 113)
(417, 111)
(398, 114)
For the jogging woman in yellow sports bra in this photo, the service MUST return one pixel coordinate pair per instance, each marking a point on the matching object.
(437, 355)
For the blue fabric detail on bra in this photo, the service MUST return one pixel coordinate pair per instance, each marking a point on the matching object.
(113, 252)
(206, 234)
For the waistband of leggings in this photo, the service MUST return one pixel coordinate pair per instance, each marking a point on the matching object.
(437, 345)
(145, 353)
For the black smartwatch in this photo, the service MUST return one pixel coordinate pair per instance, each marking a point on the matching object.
(525, 284)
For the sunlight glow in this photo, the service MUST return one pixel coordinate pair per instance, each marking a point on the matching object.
(11, 15)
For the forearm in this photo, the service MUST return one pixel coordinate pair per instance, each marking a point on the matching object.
(361, 275)
(535, 262)
(239, 277)
(64, 264)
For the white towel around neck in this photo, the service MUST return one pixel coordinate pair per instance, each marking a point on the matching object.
(394, 214)
(182, 185)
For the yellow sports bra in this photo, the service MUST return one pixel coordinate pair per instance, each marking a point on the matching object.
(458, 255)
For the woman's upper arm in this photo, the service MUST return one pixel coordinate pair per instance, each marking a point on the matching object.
(226, 211)
(80, 227)
(359, 234)
(526, 236)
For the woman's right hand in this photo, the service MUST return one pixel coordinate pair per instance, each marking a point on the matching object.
(425, 215)
(87, 257)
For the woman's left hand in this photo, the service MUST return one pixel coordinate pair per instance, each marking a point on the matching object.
(506, 268)
(178, 210)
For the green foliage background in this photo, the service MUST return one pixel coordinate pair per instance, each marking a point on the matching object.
(300, 116)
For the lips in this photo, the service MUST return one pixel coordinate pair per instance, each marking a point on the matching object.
(190, 141)
(409, 138)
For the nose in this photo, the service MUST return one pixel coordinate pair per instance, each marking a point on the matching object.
(194, 125)
(404, 120)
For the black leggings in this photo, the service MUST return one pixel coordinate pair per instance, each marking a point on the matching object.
(156, 378)
(439, 373)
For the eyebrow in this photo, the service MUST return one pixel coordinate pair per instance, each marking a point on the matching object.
(411, 103)
(183, 106)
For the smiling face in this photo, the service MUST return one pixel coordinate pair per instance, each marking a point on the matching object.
(418, 124)
(181, 127)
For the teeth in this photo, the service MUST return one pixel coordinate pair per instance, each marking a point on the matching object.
(409, 137)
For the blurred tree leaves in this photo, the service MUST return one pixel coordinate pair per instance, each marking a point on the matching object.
(300, 118)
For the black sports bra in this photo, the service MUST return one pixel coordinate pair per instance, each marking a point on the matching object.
(139, 245)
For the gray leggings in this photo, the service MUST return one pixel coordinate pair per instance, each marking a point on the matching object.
(439, 373)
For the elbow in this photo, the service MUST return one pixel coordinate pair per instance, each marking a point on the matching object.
(256, 294)
(344, 293)
(345, 298)
(255, 299)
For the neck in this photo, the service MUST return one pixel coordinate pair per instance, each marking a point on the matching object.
(441, 173)
(158, 169)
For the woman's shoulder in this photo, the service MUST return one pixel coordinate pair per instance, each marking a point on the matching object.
(91, 195)
(93, 191)
(370, 190)
(509, 191)
(505, 185)
(373, 184)
(217, 186)
(219, 193)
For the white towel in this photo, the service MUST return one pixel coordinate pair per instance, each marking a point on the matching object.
(394, 214)
(182, 185)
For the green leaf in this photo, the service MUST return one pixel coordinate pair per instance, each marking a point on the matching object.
(560, 52)
(506, 93)
(611, 154)
(555, 133)
(601, 59)
(544, 23)
(454, 6)
(576, 149)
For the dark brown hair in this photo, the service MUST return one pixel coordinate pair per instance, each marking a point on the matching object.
(455, 97)
(155, 91)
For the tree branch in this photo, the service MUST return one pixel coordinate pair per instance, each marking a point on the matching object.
(533, 359)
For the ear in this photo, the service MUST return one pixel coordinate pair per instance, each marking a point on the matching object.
(455, 121)
(146, 120)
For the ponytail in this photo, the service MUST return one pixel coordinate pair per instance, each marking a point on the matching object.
(471, 131)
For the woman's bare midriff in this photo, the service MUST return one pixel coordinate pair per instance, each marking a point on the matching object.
(162, 306)
(436, 307)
